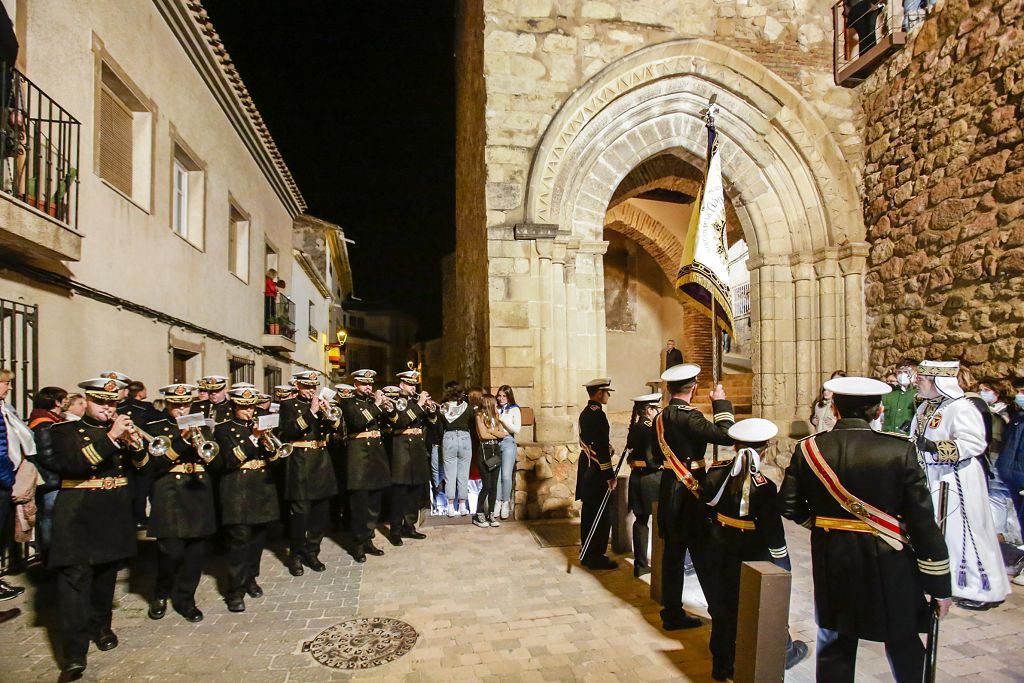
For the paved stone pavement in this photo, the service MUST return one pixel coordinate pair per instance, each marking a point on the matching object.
(489, 604)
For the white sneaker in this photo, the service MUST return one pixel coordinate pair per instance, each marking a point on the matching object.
(463, 510)
(1019, 579)
(504, 512)
(451, 510)
(479, 521)
(494, 521)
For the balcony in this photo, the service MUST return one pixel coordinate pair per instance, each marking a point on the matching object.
(741, 301)
(39, 152)
(866, 33)
(279, 324)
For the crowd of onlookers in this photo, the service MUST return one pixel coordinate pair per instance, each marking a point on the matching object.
(472, 422)
(1000, 401)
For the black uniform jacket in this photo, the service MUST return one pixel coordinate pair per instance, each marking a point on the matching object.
(644, 459)
(218, 411)
(182, 498)
(140, 412)
(862, 586)
(767, 540)
(309, 472)
(687, 434)
(410, 461)
(368, 467)
(248, 494)
(592, 477)
(94, 525)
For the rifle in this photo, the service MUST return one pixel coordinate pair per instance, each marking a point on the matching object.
(931, 657)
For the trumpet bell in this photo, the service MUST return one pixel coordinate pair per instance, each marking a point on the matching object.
(285, 450)
(159, 445)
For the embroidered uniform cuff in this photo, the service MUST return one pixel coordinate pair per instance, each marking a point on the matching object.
(948, 452)
(139, 464)
(723, 417)
(778, 553)
(933, 567)
(239, 453)
(172, 454)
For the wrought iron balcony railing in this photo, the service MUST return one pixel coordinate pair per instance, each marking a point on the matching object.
(39, 148)
(867, 32)
(741, 301)
(280, 318)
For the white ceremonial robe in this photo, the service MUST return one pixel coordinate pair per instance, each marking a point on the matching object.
(956, 427)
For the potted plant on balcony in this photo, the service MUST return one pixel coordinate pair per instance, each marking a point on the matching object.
(274, 325)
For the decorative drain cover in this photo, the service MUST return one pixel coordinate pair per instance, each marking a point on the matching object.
(362, 643)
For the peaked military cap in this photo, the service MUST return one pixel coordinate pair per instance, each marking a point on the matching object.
(599, 383)
(857, 386)
(119, 376)
(391, 391)
(243, 385)
(283, 390)
(178, 393)
(681, 373)
(244, 396)
(647, 398)
(753, 430)
(309, 378)
(364, 376)
(213, 382)
(345, 390)
(409, 377)
(103, 388)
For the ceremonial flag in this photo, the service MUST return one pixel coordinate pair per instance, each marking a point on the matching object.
(703, 277)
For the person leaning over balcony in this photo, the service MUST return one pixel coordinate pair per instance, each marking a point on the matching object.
(512, 420)
(457, 450)
(269, 296)
(899, 405)
(491, 433)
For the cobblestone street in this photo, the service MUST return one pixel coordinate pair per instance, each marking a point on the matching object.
(489, 605)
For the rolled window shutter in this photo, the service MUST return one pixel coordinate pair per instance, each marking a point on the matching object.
(115, 142)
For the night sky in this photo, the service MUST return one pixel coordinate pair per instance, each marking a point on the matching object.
(360, 99)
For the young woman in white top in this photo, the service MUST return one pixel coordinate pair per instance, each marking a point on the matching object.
(512, 419)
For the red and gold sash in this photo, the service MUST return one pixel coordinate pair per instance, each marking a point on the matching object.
(674, 463)
(885, 526)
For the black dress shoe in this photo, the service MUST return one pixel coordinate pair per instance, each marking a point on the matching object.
(796, 653)
(679, 623)
(253, 589)
(358, 555)
(236, 603)
(371, 549)
(314, 563)
(190, 613)
(976, 605)
(395, 539)
(157, 608)
(105, 640)
(723, 673)
(294, 563)
(9, 614)
(410, 532)
(73, 669)
(601, 562)
(639, 571)
(9, 592)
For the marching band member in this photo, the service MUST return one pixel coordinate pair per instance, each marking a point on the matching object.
(595, 475)
(949, 434)
(248, 495)
(368, 472)
(410, 462)
(875, 547)
(306, 422)
(644, 476)
(216, 406)
(183, 514)
(93, 529)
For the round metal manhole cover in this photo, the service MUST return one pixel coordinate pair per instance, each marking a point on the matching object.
(362, 643)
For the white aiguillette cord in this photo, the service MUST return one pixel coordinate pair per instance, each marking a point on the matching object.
(739, 468)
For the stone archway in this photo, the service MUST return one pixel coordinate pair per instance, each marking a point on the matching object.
(794, 196)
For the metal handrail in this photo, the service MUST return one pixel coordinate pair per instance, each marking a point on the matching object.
(861, 26)
(40, 145)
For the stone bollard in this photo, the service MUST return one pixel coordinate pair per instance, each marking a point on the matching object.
(762, 624)
(657, 550)
(622, 518)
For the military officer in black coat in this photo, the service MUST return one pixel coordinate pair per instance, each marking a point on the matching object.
(216, 407)
(140, 412)
(594, 474)
(682, 435)
(410, 461)
(746, 527)
(248, 495)
(368, 472)
(93, 530)
(876, 549)
(183, 515)
(306, 423)
(644, 476)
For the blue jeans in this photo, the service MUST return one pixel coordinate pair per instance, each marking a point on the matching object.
(458, 452)
(436, 477)
(508, 467)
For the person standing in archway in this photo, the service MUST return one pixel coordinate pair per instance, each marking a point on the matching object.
(673, 356)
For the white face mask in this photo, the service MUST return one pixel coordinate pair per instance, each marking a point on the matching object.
(988, 396)
(904, 379)
(876, 424)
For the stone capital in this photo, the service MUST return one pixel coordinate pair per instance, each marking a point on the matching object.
(852, 257)
(763, 260)
(802, 269)
(826, 262)
(535, 231)
(599, 247)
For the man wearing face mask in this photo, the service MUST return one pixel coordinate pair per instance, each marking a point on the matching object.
(900, 404)
(950, 437)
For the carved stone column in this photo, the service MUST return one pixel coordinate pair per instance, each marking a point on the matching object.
(852, 261)
(560, 328)
(827, 270)
(807, 371)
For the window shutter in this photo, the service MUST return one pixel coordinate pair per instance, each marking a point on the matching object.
(115, 142)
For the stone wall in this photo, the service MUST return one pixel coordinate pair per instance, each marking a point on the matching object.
(944, 191)
(546, 481)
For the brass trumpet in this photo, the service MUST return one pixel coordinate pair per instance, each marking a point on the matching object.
(272, 443)
(207, 449)
(157, 445)
(401, 404)
(333, 412)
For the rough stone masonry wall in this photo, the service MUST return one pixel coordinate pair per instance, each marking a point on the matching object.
(944, 191)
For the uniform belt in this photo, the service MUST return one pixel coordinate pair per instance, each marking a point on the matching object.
(187, 468)
(375, 434)
(741, 524)
(837, 524)
(642, 465)
(94, 483)
(309, 444)
(412, 431)
(253, 464)
(690, 465)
